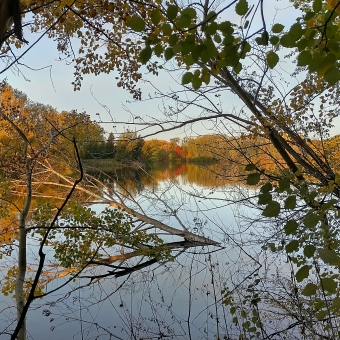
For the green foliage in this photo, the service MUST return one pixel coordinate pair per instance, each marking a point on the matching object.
(302, 273)
(241, 7)
(272, 209)
(272, 59)
(81, 235)
(309, 290)
(328, 256)
(253, 178)
(137, 24)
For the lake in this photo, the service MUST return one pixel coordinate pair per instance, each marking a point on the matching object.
(179, 299)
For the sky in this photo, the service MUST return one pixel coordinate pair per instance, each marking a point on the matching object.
(46, 79)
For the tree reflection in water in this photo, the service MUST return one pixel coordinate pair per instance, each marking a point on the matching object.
(206, 292)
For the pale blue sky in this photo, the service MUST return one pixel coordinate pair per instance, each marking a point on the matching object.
(51, 84)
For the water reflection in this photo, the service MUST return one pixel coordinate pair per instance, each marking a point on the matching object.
(161, 300)
(135, 179)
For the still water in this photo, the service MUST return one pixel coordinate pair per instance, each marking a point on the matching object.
(181, 299)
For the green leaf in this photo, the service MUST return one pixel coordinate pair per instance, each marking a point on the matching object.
(250, 167)
(217, 38)
(263, 39)
(290, 202)
(309, 15)
(292, 246)
(304, 58)
(242, 7)
(166, 29)
(317, 5)
(274, 40)
(245, 48)
(204, 56)
(136, 23)
(168, 53)
(173, 39)
(272, 209)
(328, 256)
(329, 204)
(171, 12)
(156, 16)
(183, 21)
(302, 273)
(187, 78)
(272, 59)
(336, 303)
(266, 187)
(265, 198)
(329, 284)
(321, 315)
(212, 28)
(319, 304)
(238, 68)
(284, 183)
(253, 179)
(196, 83)
(311, 220)
(287, 40)
(296, 31)
(277, 28)
(226, 28)
(191, 12)
(188, 60)
(206, 78)
(309, 290)
(332, 76)
(145, 54)
(158, 50)
(177, 48)
(309, 251)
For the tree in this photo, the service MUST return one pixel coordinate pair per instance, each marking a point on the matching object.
(217, 55)
(36, 166)
(220, 55)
